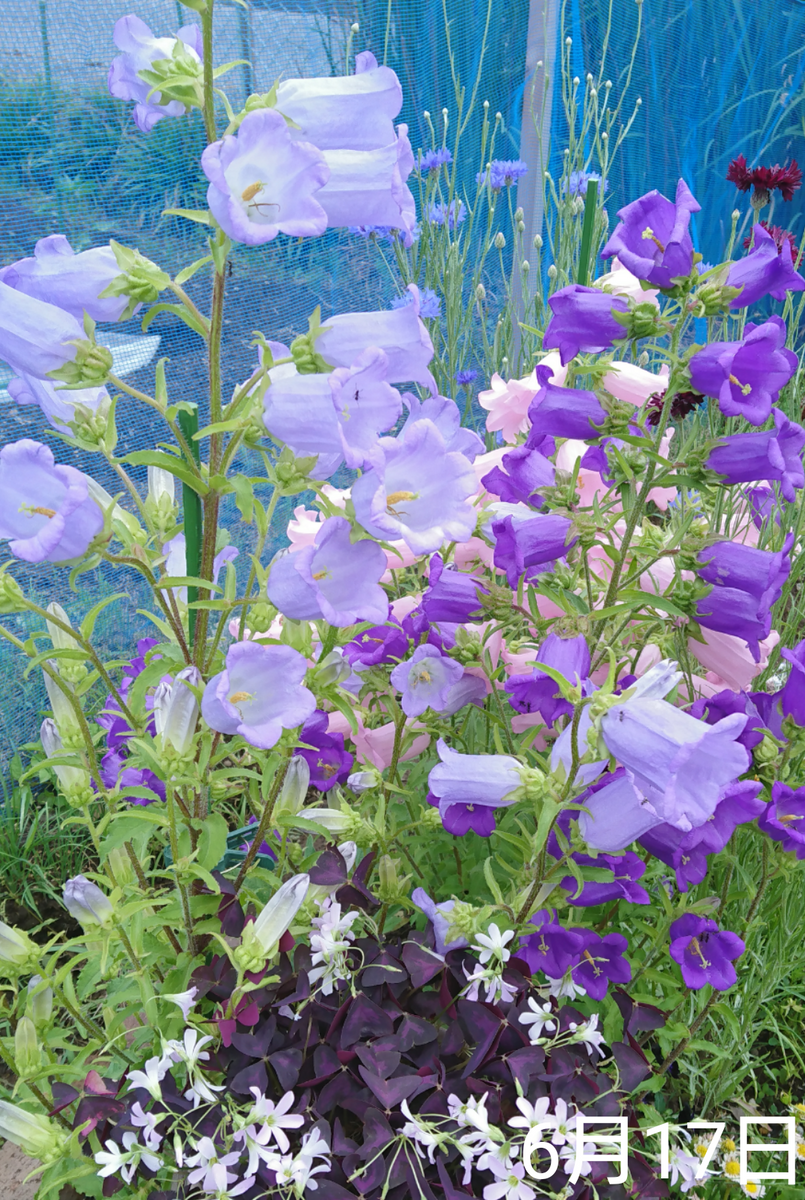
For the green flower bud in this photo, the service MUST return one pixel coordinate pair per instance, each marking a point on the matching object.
(35, 1134)
(139, 279)
(16, 948)
(27, 1053)
(642, 321)
(90, 367)
(179, 77)
(291, 475)
(12, 599)
(40, 1002)
(766, 753)
(389, 884)
(306, 357)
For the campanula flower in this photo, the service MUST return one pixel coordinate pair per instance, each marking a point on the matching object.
(653, 238)
(46, 510)
(746, 376)
(140, 48)
(74, 282)
(344, 112)
(773, 454)
(538, 692)
(425, 680)
(258, 694)
(58, 404)
(704, 952)
(768, 270)
(784, 818)
(446, 416)
(478, 783)
(582, 321)
(531, 545)
(792, 696)
(36, 338)
(399, 332)
(747, 582)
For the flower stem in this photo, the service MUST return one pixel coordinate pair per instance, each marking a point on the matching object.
(265, 821)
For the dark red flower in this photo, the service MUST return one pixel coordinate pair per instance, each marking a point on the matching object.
(780, 235)
(682, 404)
(764, 180)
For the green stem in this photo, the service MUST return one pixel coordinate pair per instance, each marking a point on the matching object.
(191, 506)
(209, 67)
(144, 886)
(174, 841)
(32, 1087)
(265, 821)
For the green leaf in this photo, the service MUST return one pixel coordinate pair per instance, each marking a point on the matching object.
(88, 624)
(244, 496)
(491, 882)
(199, 215)
(176, 467)
(190, 271)
(178, 310)
(218, 427)
(212, 841)
(173, 581)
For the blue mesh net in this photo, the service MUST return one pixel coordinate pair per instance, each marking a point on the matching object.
(715, 80)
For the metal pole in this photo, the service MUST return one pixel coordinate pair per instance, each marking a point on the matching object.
(535, 134)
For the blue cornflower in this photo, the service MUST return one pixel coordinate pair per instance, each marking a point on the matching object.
(383, 233)
(502, 173)
(432, 160)
(430, 305)
(576, 184)
(465, 377)
(451, 214)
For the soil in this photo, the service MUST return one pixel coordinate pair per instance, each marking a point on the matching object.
(14, 1166)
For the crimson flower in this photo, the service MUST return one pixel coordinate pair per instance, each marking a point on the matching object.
(780, 236)
(764, 180)
(682, 404)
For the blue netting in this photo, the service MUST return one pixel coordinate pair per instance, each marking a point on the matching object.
(716, 80)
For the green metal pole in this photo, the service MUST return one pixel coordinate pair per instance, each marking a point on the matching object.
(587, 229)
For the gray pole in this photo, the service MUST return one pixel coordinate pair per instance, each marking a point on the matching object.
(535, 139)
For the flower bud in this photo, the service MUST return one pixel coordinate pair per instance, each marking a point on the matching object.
(500, 240)
(12, 599)
(74, 781)
(62, 708)
(294, 787)
(86, 903)
(276, 917)
(525, 266)
(35, 1134)
(388, 878)
(27, 1052)
(15, 946)
(480, 293)
(176, 711)
(766, 752)
(334, 820)
(552, 271)
(537, 242)
(89, 369)
(363, 781)
(40, 1002)
(349, 853)
(290, 475)
(120, 865)
(333, 669)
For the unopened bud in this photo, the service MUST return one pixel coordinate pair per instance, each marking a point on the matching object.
(363, 781)
(333, 669)
(525, 266)
(120, 866)
(86, 903)
(643, 359)
(294, 787)
(500, 240)
(552, 271)
(27, 1053)
(40, 1001)
(480, 293)
(537, 242)
(388, 879)
(16, 947)
(35, 1134)
(354, 27)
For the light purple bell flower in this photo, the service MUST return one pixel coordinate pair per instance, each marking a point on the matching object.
(57, 403)
(367, 187)
(344, 112)
(472, 782)
(418, 491)
(446, 416)
(140, 48)
(259, 693)
(263, 182)
(746, 376)
(46, 510)
(74, 282)
(653, 238)
(619, 813)
(439, 917)
(426, 680)
(774, 454)
(400, 332)
(86, 903)
(338, 416)
(680, 765)
(335, 579)
(768, 270)
(35, 337)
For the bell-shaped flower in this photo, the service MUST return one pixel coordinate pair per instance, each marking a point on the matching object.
(337, 416)
(426, 680)
(367, 187)
(747, 582)
(15, 946)
(653, 238)
(335, 579)
(446, 416)
(86, 903)
(46, 510)
(619, 813)
(263, 182)
(680, 765)
(768, 270)
(399, 332)
(531, 545)
(258, 694)
(294, 786)
(774, 454)
(40, 1001)
(344, 112)
(521, 472)
(176, 710)
(564, 412)
(792, 696)
(280, 911)
(57, 275)
(746, 376)
(537, 691)
(35, 337)
(467, 788)
(58, 404)
(783, 817)
(582, 321)
(140, 48)
(452, 597)
(704, 952)
(418, 491)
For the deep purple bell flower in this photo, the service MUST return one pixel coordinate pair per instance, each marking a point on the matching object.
(626, 870)
(601, 963)
(537, 692)
(747, 583)
(582, 322)
(324, 753)
(784, 818)
(451, 595)
(768, 270)
(746, 377)
(552, 949)
(459, 819)
(380, 644)
(526, 546)
(653, 238)
(792, 696)
(774, 454)
(712, 709)
(704, 952)
(521, 473)
(565, 412)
